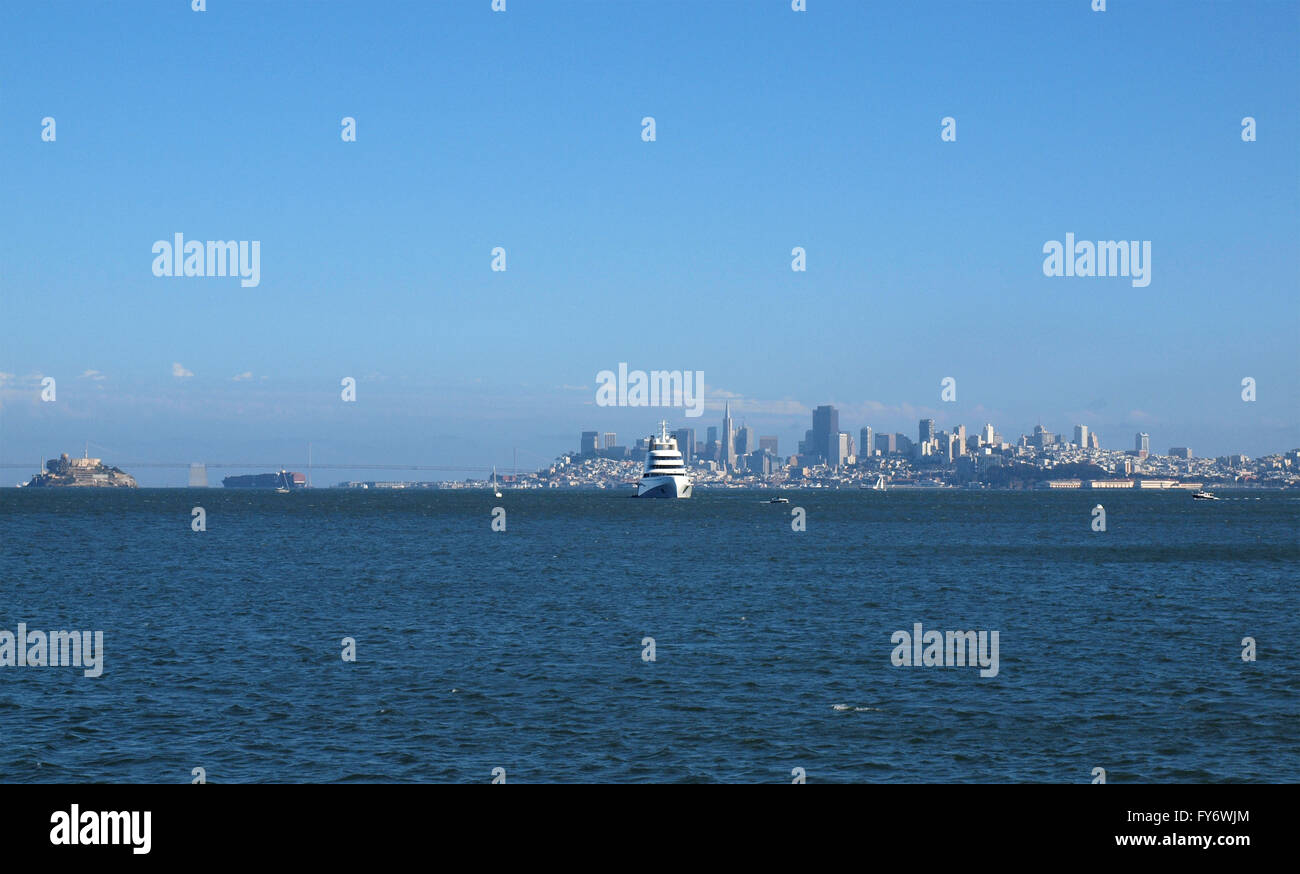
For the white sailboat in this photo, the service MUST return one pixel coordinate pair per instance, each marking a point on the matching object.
(496, 492)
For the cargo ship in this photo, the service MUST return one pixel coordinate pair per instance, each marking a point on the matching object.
(283, 480)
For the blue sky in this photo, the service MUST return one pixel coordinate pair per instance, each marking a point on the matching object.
(522, 129)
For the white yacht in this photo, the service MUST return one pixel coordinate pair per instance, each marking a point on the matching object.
(665, 475)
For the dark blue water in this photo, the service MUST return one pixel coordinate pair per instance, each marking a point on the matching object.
(522, 649)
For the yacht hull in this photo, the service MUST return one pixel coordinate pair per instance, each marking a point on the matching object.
(664, 487)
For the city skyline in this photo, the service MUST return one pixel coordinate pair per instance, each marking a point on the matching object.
(978, 458)
(788, 433)
(825, 419)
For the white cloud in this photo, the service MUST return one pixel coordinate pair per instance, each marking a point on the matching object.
(92, 374)
(179, 371)
(240, 377)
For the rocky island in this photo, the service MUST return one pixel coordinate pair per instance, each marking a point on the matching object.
(84, 471)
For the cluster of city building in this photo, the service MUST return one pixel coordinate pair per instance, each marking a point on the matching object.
(828, 456)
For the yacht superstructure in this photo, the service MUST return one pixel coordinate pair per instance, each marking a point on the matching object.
(665, 474)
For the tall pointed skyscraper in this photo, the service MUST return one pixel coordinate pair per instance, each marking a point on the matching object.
(728, 438)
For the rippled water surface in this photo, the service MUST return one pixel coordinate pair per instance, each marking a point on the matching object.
(523, 649)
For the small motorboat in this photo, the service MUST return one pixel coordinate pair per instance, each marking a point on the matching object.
(779, 501)
(1203, 495)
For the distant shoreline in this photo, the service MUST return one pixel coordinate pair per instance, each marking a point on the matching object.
(702, 487)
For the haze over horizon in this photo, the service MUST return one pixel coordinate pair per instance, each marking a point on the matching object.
(523, 130)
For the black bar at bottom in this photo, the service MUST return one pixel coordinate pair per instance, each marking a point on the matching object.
(216, 822)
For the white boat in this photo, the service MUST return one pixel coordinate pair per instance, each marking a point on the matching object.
(496, 492)
(665, 474)
(283, 487)
(779, 501)
(878, 487)
(1203, 495)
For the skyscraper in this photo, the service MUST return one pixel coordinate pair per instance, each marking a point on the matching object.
(988, 432)
(686, 444)
(746, 442)
(838, 448)
(947, 445)
(926, 431)
(826, 427)
(587, 443)
(865, 446)
(1142, 443)
(886, 443)
(1081, 436)
(769, 443)
(611, 439)
(728, 438)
